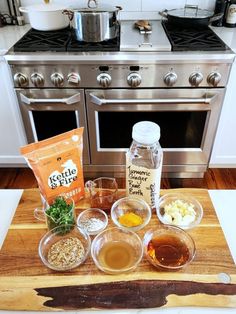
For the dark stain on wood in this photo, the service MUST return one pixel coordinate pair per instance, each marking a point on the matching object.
(128, 294)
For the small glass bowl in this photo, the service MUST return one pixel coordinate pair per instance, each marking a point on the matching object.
(131, 205)
(92, 220)
(168, 247)
(64, 233)
(115, 251)
(176, 218)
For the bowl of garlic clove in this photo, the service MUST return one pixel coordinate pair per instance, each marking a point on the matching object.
(179, 210)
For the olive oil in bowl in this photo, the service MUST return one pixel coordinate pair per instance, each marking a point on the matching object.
(116, 251)
(116, 255)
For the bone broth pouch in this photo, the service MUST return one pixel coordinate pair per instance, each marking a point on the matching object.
(57, 165)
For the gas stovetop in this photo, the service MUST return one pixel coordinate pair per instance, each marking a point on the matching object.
(162, 37)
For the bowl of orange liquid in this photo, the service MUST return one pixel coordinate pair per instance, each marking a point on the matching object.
(116, 251)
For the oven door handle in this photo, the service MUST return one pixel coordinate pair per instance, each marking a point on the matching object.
(68, 101)
(102, 101)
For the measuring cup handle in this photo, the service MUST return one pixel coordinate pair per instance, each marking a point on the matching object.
(39, 214)
(89, 185)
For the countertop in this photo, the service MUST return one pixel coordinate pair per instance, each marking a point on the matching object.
(228, 35)
(9, 35)
(223, 201)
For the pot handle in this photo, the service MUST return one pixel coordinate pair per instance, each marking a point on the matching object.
(216, 17)
(23, 10)
(69, 13)
(119, 7)
(164, 13)
(94, 6)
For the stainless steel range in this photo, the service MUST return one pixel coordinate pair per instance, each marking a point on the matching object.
(157, 75)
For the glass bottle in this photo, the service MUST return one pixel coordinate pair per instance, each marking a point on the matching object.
(230, 15)
(144, 163)
(220, 7)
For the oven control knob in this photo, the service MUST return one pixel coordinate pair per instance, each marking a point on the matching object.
(213, 79)
(73, 78)
(134, 79)
(104, 79)
(195, 79)
(57, 79)
(21, 80)
(37, 79)
(170, 79)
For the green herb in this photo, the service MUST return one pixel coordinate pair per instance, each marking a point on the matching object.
(60, 213)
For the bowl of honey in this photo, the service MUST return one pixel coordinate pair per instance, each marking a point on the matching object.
(116, 250)
(169, 247)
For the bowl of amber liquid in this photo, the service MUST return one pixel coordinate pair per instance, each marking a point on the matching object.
(116, 251)
(169, 247)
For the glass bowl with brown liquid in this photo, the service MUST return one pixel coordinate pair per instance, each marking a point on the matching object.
(116, 251)
(169, 247)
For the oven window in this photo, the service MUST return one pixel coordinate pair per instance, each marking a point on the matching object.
(178, 129)
(51, 123)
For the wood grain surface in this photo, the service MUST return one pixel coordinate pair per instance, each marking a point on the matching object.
(26, 284)
(222, 178)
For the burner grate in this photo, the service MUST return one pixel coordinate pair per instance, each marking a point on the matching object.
(193, 39)
(35, 40)
(107, 45)
(61, 40)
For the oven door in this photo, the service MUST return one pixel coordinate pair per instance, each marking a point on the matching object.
(188, 119)
(50, 112)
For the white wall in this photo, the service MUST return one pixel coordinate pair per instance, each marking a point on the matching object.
(131, 8)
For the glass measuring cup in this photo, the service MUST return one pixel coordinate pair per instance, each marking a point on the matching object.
(102, 192)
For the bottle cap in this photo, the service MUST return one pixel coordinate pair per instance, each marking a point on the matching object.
(146, 132)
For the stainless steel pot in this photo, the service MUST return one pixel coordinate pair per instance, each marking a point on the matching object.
(190, 16)
(94, 23)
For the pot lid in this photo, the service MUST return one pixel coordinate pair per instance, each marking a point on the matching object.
(45, 7)
(93, 6)
(100, 9)
(190, 12)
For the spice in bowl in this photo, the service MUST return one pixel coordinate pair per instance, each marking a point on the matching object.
(66, 252)
(64, 247)
(92, 220)
(130, 220)
(131, 213)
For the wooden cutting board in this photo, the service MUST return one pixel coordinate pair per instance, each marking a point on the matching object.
(26, 284)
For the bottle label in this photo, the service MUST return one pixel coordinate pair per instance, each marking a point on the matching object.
(143, 183)
(231, 14)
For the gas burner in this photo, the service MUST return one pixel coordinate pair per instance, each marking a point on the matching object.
(191, 39)
(106, 45)
(61, 40)
(35, 40)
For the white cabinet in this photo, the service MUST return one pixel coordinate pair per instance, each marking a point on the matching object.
(224, 149)
(11, 129)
